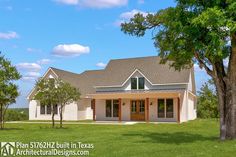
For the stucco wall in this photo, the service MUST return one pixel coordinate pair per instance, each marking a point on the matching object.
(74, 111)
(101, 111)
(84, 110)
(153, 111)
(192, 113)
(125, 111)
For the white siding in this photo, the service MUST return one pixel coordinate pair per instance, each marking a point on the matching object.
(192, 113)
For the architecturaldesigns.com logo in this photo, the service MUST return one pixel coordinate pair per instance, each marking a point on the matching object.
(7, 148)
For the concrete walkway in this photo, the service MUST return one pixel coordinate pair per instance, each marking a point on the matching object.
(98, 122)
(92, 122)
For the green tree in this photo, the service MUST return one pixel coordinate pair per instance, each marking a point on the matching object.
(201, 31)
(8, 90)
(46, 94)
(66, 94)
(207, 104)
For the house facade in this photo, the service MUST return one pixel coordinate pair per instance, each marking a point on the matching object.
(134, 89)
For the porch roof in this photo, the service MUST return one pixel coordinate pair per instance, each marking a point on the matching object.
(142, 94)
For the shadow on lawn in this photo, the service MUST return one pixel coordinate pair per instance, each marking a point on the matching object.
(171, 138)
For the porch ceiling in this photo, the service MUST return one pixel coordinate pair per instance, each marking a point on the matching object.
(136, 95)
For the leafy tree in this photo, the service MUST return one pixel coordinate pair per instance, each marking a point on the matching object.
(8, 90)
(201, 31)
(15, 115)
(207, 104)
(46, 94)
(66, 94)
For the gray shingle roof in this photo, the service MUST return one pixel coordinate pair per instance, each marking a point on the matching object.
(117, 71)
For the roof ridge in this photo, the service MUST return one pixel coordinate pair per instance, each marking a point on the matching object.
(135, 58)
(64, 70)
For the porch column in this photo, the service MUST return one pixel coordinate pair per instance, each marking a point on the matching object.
(178, 110)
(147, 109)
(120, 109)
(93, 102)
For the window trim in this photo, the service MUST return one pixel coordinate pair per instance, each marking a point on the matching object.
(112, 108)
(165, 108)
(137, 83)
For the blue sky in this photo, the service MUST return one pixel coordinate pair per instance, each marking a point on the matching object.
(74, 35)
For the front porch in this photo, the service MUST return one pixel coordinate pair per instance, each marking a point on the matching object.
(145, 106)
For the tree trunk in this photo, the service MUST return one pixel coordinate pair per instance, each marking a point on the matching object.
(1, 117)
(53, 114)
(61, 116)
(226, 91)
(231, 93)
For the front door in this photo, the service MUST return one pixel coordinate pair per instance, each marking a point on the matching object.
(137, 110)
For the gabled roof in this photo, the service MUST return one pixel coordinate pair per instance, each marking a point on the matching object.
(118, 71)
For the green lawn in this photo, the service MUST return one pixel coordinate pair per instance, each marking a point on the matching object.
(196, 138)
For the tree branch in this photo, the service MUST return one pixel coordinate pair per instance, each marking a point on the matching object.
(202, 64)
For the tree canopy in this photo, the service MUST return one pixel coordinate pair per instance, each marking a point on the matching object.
(8, 88)
(201, 32)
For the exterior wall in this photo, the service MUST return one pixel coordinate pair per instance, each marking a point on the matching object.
(125, 111)
(101, 111)
(85, 111)
(74, 111)
(183, 107)
(192, 112)
(34, 112)
(153, 111)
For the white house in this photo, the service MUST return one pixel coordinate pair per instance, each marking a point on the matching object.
(133, 89)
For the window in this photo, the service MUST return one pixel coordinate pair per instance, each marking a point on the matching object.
(115, 108)
(112, 108)
(142, 106)
(49, 109)
(133, 83)
(169, 108)
(141, 82)
(108, 108)
(55, 109)
(137, 83)
(165, 108)
(133, 107)
(161, 108)
(42, 109)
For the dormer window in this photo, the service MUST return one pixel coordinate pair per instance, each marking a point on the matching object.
(137, 83)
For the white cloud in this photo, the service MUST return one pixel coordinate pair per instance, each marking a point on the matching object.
(29, 66)
(128, 15)
(68, 2)
(31, 76)
(44, 61)
(8, 35)
(101, 65)
(94, 3)
(70, 50)
(103, 3)
(33, 50)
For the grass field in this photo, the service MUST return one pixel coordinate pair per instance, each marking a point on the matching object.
(193, 139)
